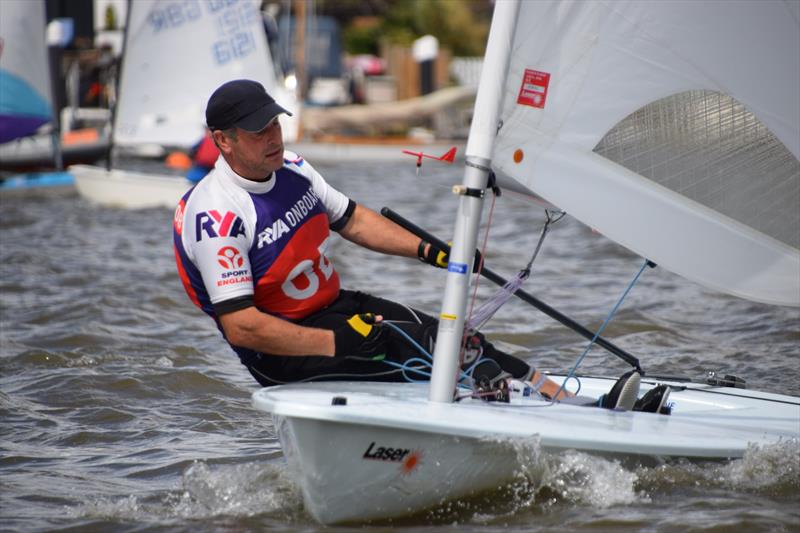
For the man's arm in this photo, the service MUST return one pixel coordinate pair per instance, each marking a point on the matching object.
(250, 328)
(371, 230)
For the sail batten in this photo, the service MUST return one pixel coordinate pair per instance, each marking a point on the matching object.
(709, 148)
(664, 128)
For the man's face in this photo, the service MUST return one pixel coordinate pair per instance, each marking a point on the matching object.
(255, 155)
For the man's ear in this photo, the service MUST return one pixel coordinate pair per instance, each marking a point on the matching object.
(223, 142)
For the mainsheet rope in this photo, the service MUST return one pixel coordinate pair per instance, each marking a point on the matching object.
(422, 364)
(478, 318)
(611, 314)
(466, 374)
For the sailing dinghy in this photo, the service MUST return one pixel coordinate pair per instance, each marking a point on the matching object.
(173, 59)
(626, 115)
(26, 102)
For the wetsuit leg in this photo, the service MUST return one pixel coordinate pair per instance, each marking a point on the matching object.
(272, 370)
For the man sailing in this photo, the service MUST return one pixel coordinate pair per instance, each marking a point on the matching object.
(251, 242)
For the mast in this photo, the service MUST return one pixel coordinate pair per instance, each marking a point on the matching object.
(54, 57)
(118, 86)
(300, 48)
(480, 143)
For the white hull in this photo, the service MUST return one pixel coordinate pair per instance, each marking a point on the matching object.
(36, 152)
(128, 189)
(441, 451)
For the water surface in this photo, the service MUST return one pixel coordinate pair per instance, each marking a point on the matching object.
(124, 410)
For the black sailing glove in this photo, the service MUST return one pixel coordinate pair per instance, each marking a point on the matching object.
(439, 257)
(361, 336)
(435, 255)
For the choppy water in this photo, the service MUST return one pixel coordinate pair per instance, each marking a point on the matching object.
(123, 410)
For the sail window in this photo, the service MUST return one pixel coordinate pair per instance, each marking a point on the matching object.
(709, 148)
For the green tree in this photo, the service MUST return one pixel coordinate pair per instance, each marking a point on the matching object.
(460, 25)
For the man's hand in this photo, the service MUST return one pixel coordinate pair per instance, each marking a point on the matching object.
(432, 254)
(362, 336)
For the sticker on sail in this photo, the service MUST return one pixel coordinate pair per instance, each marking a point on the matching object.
(534, 88)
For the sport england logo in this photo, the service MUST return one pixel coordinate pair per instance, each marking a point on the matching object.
(216, 224)
(230, 258)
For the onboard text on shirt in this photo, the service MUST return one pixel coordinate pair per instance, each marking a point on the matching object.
(291, 218)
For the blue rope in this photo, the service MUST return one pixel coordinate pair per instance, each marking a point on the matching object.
(414, 343)
(465, 374)
(417, 370)
(571, 373)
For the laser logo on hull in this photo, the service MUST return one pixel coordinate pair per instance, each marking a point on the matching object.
(409, 459)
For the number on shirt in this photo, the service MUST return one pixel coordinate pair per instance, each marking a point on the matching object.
(307, 269)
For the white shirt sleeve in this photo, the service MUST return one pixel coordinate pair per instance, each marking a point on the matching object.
(217, 235)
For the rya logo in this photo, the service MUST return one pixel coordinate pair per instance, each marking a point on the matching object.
(230, 258)
(215, 224)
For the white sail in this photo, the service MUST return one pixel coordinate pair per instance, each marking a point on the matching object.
(25, 96)
(175, 55)
(671, 127)
(365, 451)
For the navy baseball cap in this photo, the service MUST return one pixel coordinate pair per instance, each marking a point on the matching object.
(241, 103)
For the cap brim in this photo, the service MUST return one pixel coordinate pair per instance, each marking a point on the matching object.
(258, 119)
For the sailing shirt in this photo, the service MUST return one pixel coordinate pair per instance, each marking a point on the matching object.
(240, 242)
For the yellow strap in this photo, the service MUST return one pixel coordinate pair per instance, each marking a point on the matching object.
(358, 324)
(442, 256)
(440, 259)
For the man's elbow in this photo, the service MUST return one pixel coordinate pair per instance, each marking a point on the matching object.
(237, 332)
(236, 336)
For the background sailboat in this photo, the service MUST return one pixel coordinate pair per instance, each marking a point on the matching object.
(25, 96)
(568, 74)
(172, 62)
(26, 102)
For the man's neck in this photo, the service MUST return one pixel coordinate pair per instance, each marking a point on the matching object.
(260, 180)
(239, 173)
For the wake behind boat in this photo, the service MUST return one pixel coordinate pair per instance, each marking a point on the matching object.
(621, 114)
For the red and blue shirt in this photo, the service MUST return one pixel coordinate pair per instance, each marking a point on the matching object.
(262, 242)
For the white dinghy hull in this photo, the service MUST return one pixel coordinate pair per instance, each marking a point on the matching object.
(128, 189)
(389, 451)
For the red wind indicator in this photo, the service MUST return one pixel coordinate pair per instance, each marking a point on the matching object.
(448, 157)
